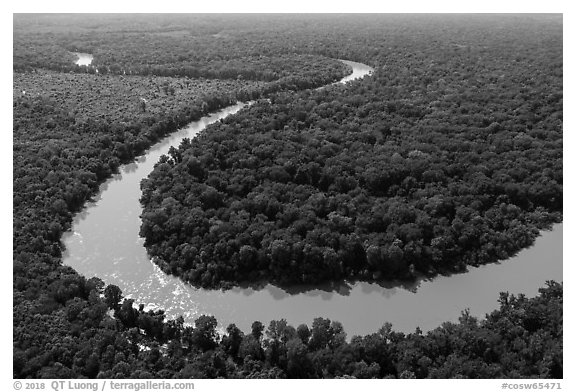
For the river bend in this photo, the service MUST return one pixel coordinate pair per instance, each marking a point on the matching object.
(104, 241)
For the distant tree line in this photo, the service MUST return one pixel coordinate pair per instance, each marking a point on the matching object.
(156, 54)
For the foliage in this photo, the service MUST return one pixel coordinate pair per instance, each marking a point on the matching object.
(442, 159)
(488, 89)
(191, 46)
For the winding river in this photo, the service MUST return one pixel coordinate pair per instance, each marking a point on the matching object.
(104, 242)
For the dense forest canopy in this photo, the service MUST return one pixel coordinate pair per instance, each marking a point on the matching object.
(450, 154)
(443, 158)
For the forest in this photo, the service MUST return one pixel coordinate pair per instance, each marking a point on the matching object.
(452, 162)
(449, 155)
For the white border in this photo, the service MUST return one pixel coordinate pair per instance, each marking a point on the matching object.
(297, 6)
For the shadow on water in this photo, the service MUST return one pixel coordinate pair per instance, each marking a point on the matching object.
(386, 288)
(326, 290)
(131, 167)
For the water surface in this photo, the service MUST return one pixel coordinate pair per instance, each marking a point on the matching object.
(359, 70)
(84, 58)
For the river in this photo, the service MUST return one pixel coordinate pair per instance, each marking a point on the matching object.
(84, 58)
(104, 241)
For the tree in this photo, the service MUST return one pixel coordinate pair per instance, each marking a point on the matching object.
(231, 342)
(204, 335)
(303, 333)
(250, 347)
(112, 296)
(320, 334)
(298, 364)
(257, 329)
(127, 314)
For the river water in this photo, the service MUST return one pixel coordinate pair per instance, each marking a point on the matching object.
(84, 58)
(104, 241)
